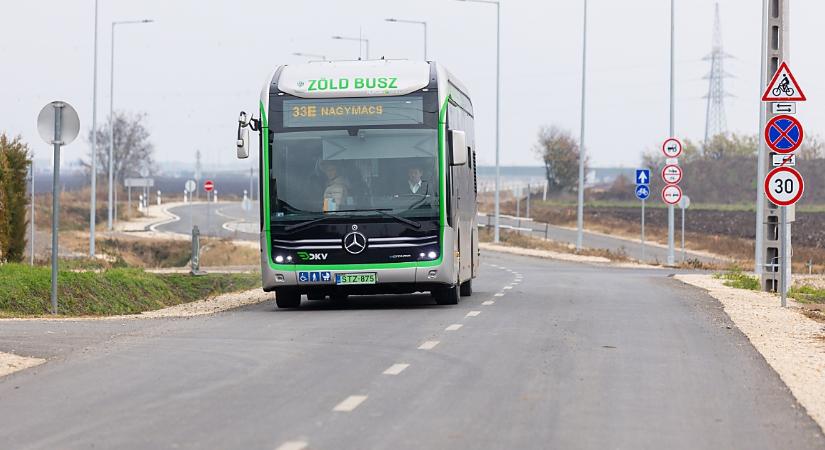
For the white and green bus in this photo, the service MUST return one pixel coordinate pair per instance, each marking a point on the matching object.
(368, 181)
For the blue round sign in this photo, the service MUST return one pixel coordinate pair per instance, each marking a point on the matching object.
(642, 192)
(783, 134)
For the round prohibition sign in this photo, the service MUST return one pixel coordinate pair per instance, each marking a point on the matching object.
(208, 186)
(783, 134)
(671, 194)
(672, 147)
(784, 186)
(672, 174)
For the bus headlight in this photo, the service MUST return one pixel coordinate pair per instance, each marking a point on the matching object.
(432, 255)
(279, 259)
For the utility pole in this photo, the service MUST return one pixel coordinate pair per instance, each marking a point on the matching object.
(580, 206)
(496, 232)
(671, 219)
(112, 190)
(776, 47)
(31, 219)
(758, 258)
(93, 207)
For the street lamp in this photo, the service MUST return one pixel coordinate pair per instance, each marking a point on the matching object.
(365, 40)
(580, 202)
(93, 206)
(498, 108)
(419, 22)
(310, 55)
(112, 112)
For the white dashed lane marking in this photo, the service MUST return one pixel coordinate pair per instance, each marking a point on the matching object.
(508, 287)
(488, 303)
(499, 294)
(395, 369)
(292, 445)
(350, 403)
(428, 345)
(454, 327)
(473, 313)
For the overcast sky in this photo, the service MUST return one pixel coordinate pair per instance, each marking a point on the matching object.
(201, 62)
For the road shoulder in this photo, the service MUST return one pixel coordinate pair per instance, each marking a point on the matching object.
(10, 363)
(790, 342)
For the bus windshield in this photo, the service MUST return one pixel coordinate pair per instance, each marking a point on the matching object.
(354, 156)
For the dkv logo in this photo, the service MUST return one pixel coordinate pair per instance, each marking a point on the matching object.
(306, 256)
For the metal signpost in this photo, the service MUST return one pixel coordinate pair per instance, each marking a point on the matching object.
(58, 124)
(144, 183)
(671, 194)
(208, 186)
(784, 187)
(684, 203)
(188, 188)
(642, 193)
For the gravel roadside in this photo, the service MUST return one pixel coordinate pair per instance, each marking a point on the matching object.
(790, 342)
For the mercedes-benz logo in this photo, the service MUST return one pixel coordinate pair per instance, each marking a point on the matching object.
(355, 243)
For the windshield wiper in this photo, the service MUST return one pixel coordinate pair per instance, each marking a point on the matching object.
(383, 211)
(312, 221)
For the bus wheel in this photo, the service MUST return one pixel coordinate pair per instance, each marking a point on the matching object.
(287, 299)
(446, 296)
(466, 288)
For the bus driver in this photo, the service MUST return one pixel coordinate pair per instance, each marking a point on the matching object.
(336, 189)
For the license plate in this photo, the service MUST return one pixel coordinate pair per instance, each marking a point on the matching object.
(355, 278)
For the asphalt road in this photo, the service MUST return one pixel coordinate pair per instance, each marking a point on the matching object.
(211, 218)
(566, 356)
(212, 221)
(632, 249)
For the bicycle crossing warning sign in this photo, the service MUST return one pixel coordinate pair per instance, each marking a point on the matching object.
(783, 87)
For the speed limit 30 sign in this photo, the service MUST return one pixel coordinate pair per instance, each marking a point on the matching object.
(784, 186)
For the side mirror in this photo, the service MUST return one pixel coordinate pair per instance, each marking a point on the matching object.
(243, 136)
(459, 154)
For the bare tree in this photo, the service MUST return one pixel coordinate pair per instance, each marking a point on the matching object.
(560, 153)
(133, 151)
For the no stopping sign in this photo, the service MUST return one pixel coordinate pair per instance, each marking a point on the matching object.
(784, 186)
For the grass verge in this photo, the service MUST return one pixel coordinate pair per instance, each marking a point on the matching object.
(807, 294)
(25, 290)
(738, 279)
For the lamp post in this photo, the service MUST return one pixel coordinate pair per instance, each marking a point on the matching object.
(419, 22)
(93, 206)
(310, 55)
(498, 107)
(112, 113)
(580, 200)
(364, 40)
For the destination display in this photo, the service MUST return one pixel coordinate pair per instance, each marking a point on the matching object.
(346, 112)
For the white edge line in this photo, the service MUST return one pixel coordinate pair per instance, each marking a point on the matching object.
(293, 445)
